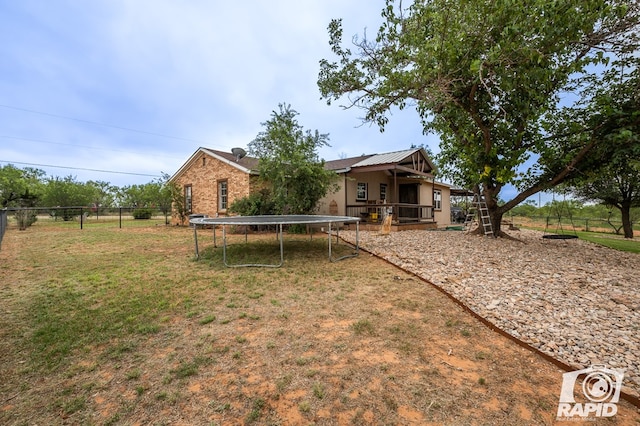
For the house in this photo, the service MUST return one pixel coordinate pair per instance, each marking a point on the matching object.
(212, 180)
(399, 182)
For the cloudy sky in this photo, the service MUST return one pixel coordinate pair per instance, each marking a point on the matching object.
(136, 86)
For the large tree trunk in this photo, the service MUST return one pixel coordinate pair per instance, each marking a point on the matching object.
(490, 196)
(496, 222)
(627, 226)
(495, 213)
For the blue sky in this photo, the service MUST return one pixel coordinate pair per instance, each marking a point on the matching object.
(136, 86)
(206, 73)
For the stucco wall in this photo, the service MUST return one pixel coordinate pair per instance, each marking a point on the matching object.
(443, 217)
(324, 205)
(373, 180)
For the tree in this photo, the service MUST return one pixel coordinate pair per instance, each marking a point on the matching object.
(167, 194)
(139, 196)
(66, 192)
(103, 195)
(615, 111)
(482, 74)
(19, 187)
(289, 164)
(178, 200)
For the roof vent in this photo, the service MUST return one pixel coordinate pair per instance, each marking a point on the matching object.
(238, 153)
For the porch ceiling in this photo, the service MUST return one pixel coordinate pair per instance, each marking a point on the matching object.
(401, 171)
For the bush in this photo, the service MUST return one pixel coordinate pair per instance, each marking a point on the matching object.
(258, 203)
(142, 213)
(25, 218)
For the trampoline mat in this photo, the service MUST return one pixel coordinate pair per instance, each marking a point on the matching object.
(272, 220)
(559, 237)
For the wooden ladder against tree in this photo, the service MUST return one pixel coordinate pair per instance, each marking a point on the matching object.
(479, 208)
(470, 218)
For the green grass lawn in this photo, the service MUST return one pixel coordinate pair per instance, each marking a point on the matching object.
(611, 240)
(606, 239)
(109, 326)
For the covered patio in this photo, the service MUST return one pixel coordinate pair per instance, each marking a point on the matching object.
(400, 184)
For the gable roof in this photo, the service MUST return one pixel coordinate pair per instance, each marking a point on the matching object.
(408, 161)
(244, 164)
(344, 164)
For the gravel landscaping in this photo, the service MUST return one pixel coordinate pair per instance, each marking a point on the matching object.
(573, 300)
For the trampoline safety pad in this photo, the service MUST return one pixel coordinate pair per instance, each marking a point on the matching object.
(274, 220)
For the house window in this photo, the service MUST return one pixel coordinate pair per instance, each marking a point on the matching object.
(437, 199)
(222, 195)
(383, 192)
(188, 198)
(361, 192)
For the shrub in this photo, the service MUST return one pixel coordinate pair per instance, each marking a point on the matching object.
(142, 213)
(258, 203)
(26, 218)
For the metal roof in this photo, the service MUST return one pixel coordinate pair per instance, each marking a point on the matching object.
(386, 158)
(344, 163)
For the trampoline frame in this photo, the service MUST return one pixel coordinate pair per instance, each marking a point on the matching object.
(278, 221)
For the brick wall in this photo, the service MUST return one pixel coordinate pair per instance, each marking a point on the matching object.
(203, 174)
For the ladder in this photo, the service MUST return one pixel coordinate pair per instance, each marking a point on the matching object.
(479, 208)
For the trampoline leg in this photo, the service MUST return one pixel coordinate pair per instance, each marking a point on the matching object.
(224, 244)
(330, 241)
(195, 238)
(214, 236)
(281, 248)
(357, 247)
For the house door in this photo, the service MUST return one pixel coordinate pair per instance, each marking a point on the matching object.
(408, 194)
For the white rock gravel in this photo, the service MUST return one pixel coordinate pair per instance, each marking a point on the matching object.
(573, 300)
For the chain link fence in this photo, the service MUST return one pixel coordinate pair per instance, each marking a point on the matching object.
(78, 216)
(577, 223)
(3, 225)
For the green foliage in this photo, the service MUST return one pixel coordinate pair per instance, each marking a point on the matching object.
(483, 75)
(143, 213)
(66, 192)
(19, 187)
(168, 192)
(144, 195)
(103, 195)
(289, 165)
(30, 188)
(610, 174)
(26, 218)
(257, 203)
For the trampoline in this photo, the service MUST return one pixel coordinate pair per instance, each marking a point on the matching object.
(274, 220)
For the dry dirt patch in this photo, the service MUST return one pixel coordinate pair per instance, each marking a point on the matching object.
(355, 342)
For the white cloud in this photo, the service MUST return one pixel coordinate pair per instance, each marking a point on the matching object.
(209, 71)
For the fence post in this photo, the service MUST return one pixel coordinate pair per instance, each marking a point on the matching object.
(3, 224)
(81, 217)
(120, 209)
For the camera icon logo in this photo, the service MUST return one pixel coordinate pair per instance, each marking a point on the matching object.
(596, 396)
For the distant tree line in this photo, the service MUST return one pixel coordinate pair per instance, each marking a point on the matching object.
(29, 187)
(570, 209)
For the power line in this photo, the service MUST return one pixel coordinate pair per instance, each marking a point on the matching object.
(101, 124)
(78, 146)
(79, 168)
